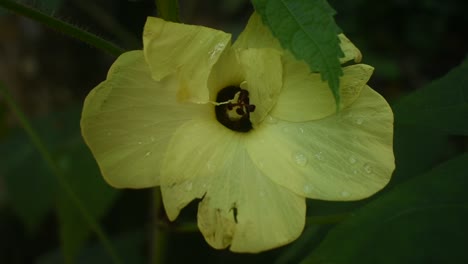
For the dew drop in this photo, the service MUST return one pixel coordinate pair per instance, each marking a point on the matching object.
(307, 188)
(301, 130)
(262, 194)
(345, 194)
(367, 168)
(352, 160)
(139, 143)
(271, 120)
(319, 156)
(148, 153)
(355, 171)
(300, 158)
(359, 121)
(152, 139)
(286, 129)
(109, 133)
(188, 186)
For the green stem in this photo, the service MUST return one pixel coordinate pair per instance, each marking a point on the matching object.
(109, 23)
(61, 26)
(159, 234)
(59, 175)
(168, 10)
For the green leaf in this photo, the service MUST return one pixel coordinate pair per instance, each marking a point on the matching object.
(422, 220)
(31, 187)
(97, 196)
(442, 105)
(308, 30)
(29, 183)
(128, 244)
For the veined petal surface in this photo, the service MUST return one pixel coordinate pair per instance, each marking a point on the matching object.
(240, 207)
(263, 79)
(188, 51)
(128, 119)
(256, 35)
(305, 96)
(346, 156)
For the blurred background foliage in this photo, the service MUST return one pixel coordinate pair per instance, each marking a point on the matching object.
(410, 43)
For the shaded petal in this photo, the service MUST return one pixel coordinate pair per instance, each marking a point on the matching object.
(187, 50)
(241, 207)
(226, 72)
(346, 156)
(128, 119)
(256, 35)
(306, 97)
(263, 79)
(350, 51)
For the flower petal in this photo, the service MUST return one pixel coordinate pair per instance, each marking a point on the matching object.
(187, 50)
(350, 51)
(128, 119)
(263, 79)
(306, 97)
(240, 206)
(256, 35)
(346, 156)
(226, 72)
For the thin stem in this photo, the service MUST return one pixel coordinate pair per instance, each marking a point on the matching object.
(62, 26)
(109, 23)
(168, 10)
(159, 234)
(59, 175)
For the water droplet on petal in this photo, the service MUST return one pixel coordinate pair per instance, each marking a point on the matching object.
(355, 171)
(139, 142)
(359, 121)
(307, 188)
(271, 120)
(352, 160)
(286, 129)
(301, 130)
(262, 194)
(319, 156)
(300, 159)
(345, 194)
(108, 133)
(188, 186)
(152, 139)
(367, 168)
(148, 153)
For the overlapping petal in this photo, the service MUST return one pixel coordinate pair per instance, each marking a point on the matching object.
(350, 51)
(305, 96)
(129, 118)
(256, 35)
(186, 50)
(346, 156)
(263, 79)
(241, 207)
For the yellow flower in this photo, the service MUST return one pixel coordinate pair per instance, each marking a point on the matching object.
(245, 127)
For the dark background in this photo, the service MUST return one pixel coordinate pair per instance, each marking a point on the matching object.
(409, 43)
